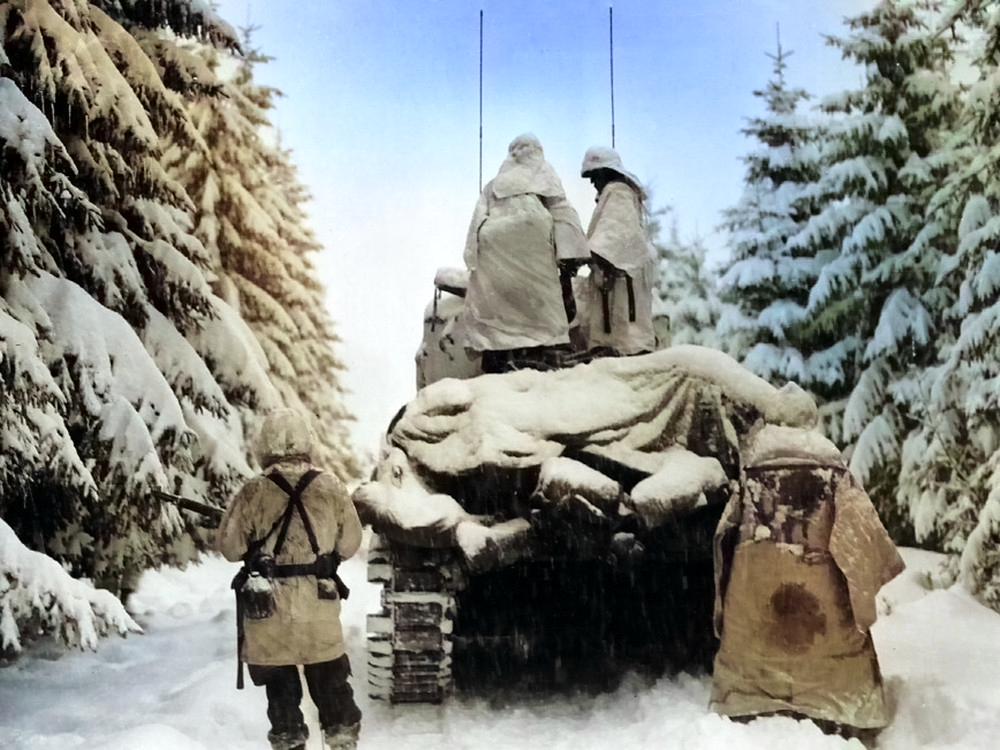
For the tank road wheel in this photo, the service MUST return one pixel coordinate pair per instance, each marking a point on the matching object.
(410, 640)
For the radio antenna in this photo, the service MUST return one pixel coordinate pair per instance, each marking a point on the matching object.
(480, 100)
(611, 50)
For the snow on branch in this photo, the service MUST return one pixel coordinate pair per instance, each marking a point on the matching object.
(980, 564)
(866, 399)
(979, 231)
(35, 436)
(781, 315)
(988, 280)
(750, 272)
(877, 445)
(108, 350)
(82, 69)
(870, 231)
(38, 596)
(775, 363)
(25, 129)
(978, 337)
(903, 317)
(893, 130)
(860, 175)
(836, 280)
(826, 228)
(236, 357)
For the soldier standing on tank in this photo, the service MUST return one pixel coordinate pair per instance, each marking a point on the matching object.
(291, 525)
(525, 243)
(622, 268)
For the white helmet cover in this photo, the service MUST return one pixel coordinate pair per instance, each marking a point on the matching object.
(285, 432)
(602, 157)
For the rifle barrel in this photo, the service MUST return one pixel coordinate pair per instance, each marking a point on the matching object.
(185, 503)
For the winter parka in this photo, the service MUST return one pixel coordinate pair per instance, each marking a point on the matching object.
(304, 629)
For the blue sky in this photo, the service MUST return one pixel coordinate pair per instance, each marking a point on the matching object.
(381, 111)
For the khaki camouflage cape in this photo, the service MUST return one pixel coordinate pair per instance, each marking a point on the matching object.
(800, 557)
(304, 628)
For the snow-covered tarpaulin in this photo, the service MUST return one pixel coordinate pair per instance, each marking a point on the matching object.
(672, 420)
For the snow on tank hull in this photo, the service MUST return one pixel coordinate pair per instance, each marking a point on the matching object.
(555, 528)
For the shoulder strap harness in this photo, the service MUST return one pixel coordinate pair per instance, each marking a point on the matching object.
(325, 565)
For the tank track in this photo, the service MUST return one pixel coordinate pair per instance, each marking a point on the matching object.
(410, 641)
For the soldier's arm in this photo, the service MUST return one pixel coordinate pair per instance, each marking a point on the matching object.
(231, 538)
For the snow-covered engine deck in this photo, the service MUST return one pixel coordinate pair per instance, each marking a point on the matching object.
(557, 527)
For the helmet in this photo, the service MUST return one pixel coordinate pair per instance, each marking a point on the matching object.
(525, 148)
(602, 157)
(285, 432)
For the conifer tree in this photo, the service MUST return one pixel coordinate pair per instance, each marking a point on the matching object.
(871, 316)
(951, 477)
(766, 281)
(686, 307)
(100, 273)
(889, 163)
(125, 364)
(318, 369)
(249, 216)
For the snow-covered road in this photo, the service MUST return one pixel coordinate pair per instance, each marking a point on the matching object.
(173, 688)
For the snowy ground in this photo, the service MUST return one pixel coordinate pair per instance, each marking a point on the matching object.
(173, 688)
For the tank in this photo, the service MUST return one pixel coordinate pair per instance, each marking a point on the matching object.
(555, 528)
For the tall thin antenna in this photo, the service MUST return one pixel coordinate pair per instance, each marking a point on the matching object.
(480, 101)
(611, 43)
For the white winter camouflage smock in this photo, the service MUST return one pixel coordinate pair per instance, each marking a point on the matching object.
(616, 236)
(521, 228)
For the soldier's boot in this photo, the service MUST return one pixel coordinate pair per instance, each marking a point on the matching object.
(342, 738)
(288, 740)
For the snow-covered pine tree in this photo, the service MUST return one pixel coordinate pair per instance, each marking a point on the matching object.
(75, 273)
(951, 477)
(38, 591)
(250, 217)
(44, 483)
(869, 327)
(318, 369)
(766, 282)
(686, 307)
(122, 370)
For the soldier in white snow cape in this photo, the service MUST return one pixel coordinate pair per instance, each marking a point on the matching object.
(525, 242)
(619, 303)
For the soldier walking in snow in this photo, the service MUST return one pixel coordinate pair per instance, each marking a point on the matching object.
(524, 245)
(291, 526)
(619, 303)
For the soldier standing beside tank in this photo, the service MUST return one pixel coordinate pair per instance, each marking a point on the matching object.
(800, 555)
(525, 243)
(291, 526)
(619, 317)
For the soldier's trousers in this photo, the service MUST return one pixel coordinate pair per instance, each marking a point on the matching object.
(328, 687)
